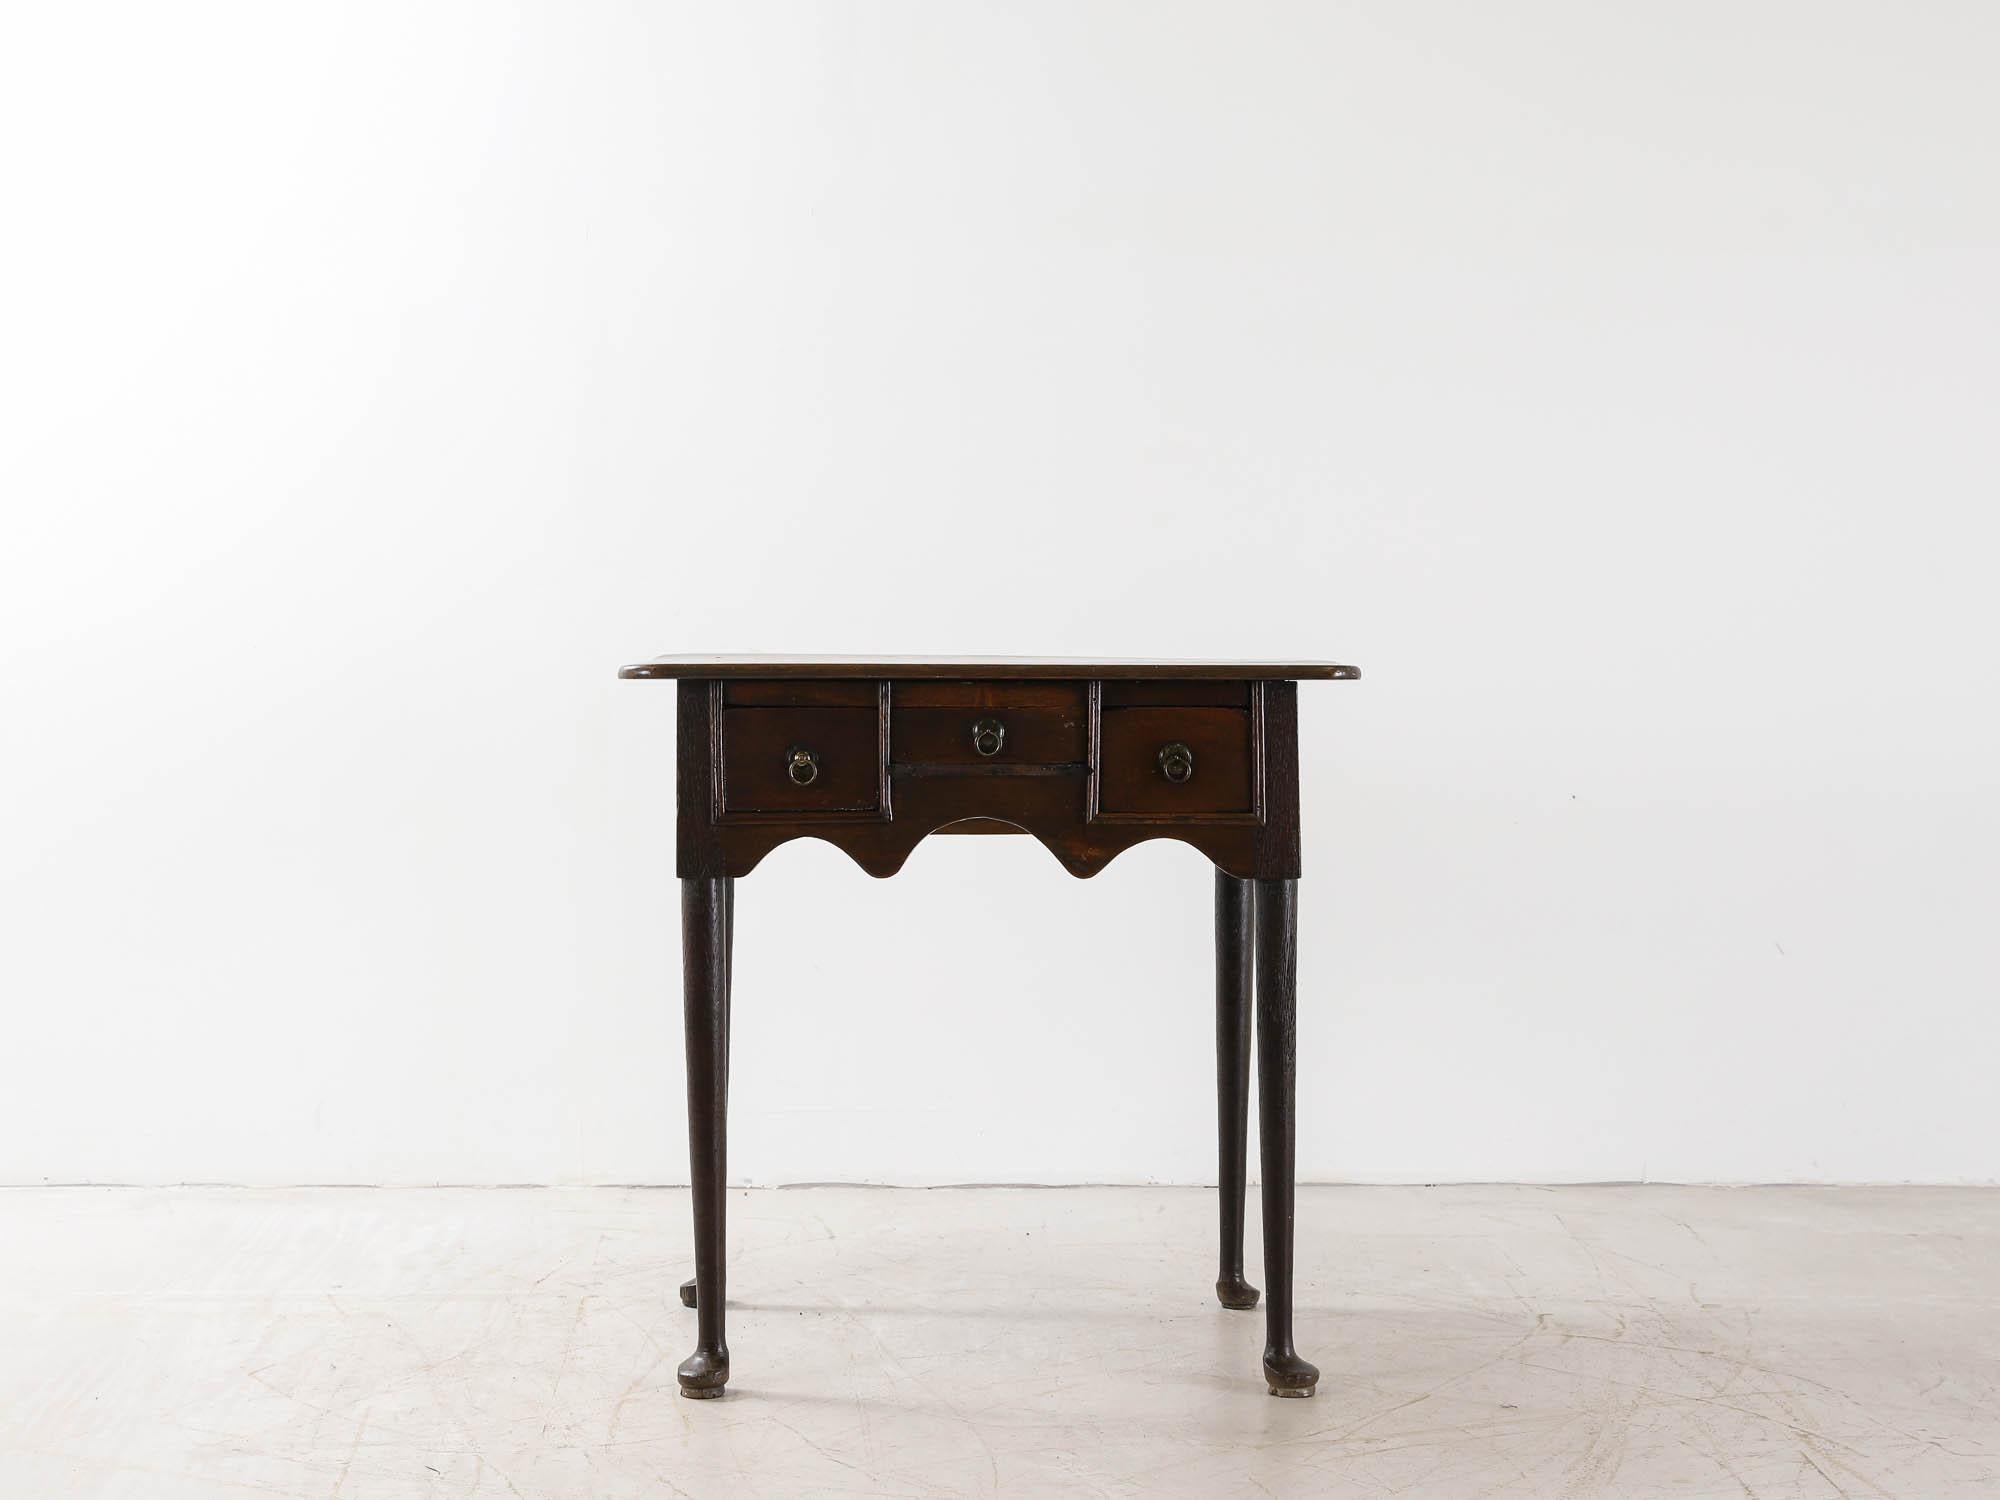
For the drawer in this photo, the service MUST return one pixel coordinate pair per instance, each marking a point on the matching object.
(996, 724)
(1133, 767)
(801, 760)
(831, 692)
(1147, 694)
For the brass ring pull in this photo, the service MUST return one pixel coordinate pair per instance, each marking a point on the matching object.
(988, 735)
(802, 765)
(1176, 762)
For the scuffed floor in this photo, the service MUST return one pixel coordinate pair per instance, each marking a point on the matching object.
(351, 1343)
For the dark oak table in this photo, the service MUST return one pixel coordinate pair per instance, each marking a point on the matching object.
(1090, 757)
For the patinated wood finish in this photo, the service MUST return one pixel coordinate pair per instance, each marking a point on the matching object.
(1088, 757)
(888, 763)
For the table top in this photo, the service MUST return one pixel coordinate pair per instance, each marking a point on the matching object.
(978, 668)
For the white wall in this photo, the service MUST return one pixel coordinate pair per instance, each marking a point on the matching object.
(1616, 384)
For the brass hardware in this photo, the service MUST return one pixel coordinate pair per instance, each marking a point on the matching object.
(1176, 762)
(988, 735)
(802, 765)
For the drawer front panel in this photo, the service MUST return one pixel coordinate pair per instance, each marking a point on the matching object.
(762, 749)
(982, 724)
(1057, 695)
(1221, 768)
(811, 693)
(1176, 695)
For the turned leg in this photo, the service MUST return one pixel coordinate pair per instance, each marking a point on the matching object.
(705, 989)
(1234, 902)
(690, 1293)
(1277, 1013)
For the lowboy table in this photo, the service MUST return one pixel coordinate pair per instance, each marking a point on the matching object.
(1090, 757)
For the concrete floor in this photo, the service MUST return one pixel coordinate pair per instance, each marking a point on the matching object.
(353, 1343)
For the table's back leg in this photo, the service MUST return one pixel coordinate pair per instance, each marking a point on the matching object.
(690, 1293)
(705, 986)
(1277, 1014)
(1234, 903)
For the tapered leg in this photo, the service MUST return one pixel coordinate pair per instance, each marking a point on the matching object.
(705, 990)
(1277, 1014)
(729, 979)
(690, 1293)
(1234, 903)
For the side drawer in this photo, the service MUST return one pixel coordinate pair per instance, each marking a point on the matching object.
(1139, 747)
(988, 724)
(801, 760)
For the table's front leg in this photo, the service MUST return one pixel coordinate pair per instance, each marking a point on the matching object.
(690, 1293)
(705, 924)
(1277, 1067)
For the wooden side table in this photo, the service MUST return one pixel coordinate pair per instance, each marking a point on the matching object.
(1090, 757)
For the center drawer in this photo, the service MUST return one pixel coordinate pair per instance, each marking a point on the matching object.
(987, 724)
